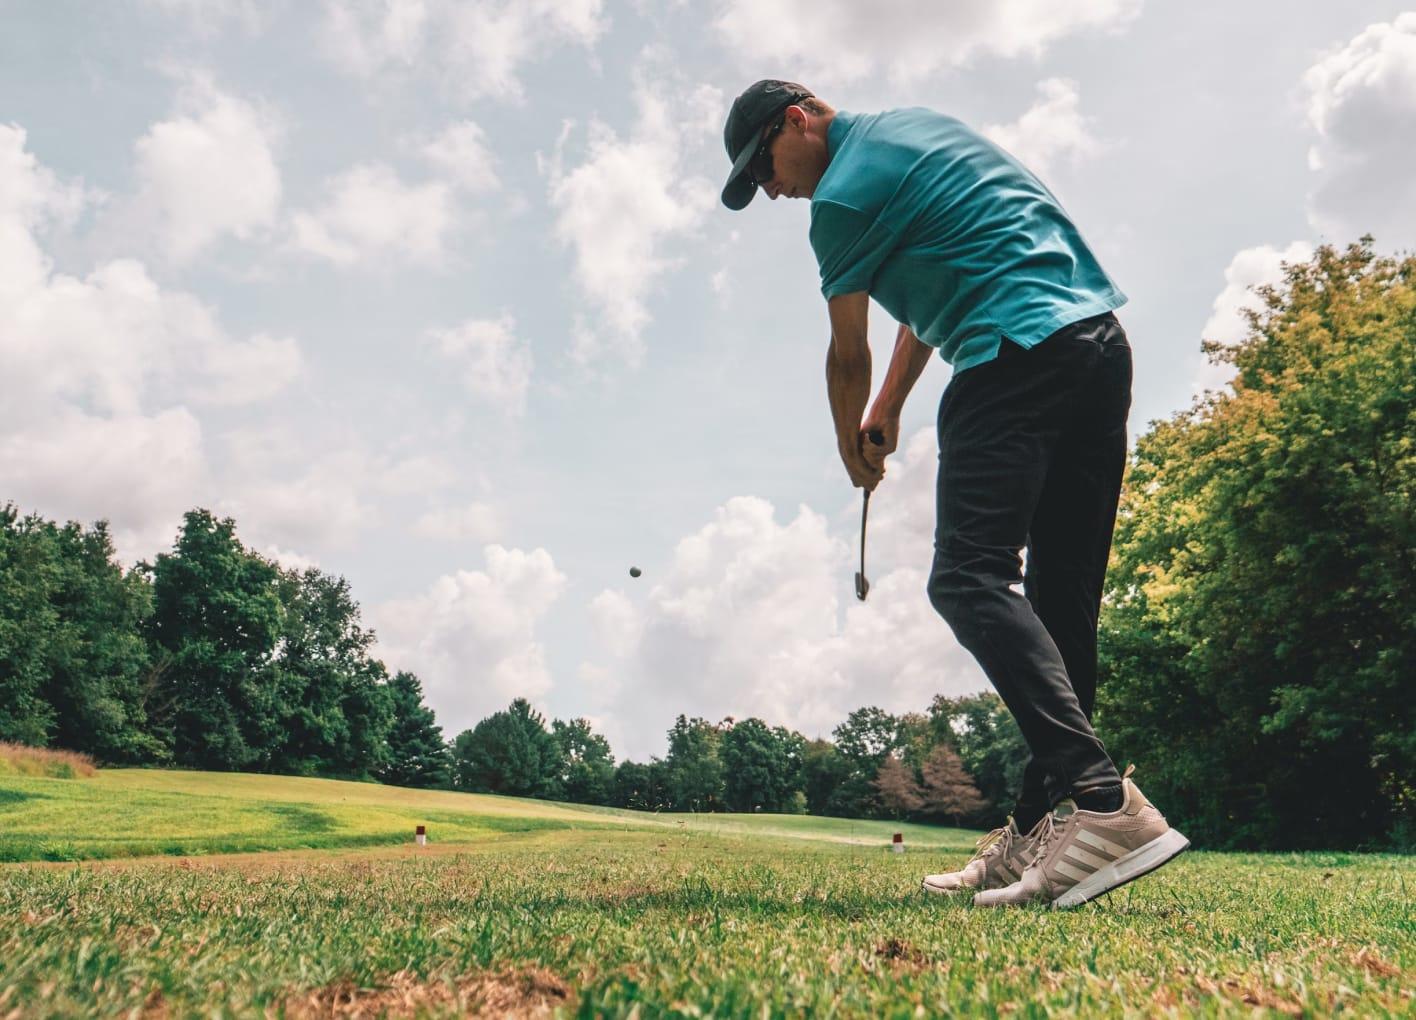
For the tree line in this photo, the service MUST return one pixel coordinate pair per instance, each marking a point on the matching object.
(214, 657)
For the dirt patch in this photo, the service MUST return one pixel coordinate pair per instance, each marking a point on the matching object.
(1373, 964)
(898, 949)
(519, 992)
(1250, 994)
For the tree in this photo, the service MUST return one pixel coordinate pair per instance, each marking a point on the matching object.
(642, 787)
(990, 745)
(693, 772)
(72, 654)
(761, 766)
(509, 752)
(587, 767)
(336, 708)
(1259, 631)
(214, 627)
(824, 774)
(947, 789)
(898, 789)
(416, 755)
(864, 740)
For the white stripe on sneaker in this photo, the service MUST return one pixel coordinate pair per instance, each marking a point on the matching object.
(1078, 854)
(1113, 850)
(1075, 874)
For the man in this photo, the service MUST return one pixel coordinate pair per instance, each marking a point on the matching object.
(976, 259)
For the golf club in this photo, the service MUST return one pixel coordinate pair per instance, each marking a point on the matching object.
(862, 585)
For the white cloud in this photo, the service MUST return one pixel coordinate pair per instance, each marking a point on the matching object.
(288, 487)
(619, 207)
(1252, 267)
(137, 471)
(474, 522)
(747, 621)
(365, 37)
(100, 370)
(1362, 105)
(289, 559)
(461, 153)
(371, 214)
(477, 47)
(1052, 131)
(207, 173)
(844, 40)
(494, 364)
(472, 637)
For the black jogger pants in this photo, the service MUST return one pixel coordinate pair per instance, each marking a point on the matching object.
(1032, 446)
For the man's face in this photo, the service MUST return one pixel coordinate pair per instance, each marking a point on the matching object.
(799, 156)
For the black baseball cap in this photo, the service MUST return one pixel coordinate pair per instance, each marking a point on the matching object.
(752, 111)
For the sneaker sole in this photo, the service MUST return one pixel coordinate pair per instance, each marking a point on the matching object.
(1141, 861)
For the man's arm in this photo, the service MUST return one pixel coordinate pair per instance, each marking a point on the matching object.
(906, 363)
(848, 382)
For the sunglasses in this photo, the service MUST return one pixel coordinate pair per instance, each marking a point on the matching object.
(760, 168)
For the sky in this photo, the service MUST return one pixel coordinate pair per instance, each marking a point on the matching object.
(439, 296)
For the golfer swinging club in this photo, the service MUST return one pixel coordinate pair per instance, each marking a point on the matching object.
(976, 259)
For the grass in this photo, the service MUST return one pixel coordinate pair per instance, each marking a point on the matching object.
(20, 760)
(136, 812)
(604, 913)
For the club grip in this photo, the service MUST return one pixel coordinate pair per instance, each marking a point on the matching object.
(877, 437)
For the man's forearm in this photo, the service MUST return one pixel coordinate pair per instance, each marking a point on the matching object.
(906, 363)
(848, 388)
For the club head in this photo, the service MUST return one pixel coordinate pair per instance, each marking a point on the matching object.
(862, 586)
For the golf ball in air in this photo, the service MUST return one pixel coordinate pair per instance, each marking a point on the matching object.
(634, 571)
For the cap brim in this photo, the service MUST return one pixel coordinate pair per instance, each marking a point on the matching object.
(740, 187)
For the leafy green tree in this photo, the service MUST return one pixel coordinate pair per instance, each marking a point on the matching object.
(587, 766)
(510, 753)
(914, 738)
(72, 654)
(642, 787)
(216, 696)
(28, 622)
(98, 658)
(693, 769)
(824, 776)
(864, 740)
(336, 706)
(416, 756)
(1259, 634)
(761, 766)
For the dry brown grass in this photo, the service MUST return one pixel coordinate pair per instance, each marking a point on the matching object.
(526, 992)
(20, 760)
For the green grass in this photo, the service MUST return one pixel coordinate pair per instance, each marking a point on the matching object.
(551, 909)
(134, 812)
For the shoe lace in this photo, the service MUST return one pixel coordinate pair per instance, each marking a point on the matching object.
(999, 840)
(1052, 826)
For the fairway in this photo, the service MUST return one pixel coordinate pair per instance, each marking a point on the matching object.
(136, 812)
(528, 908)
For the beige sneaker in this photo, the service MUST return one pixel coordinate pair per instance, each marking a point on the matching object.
(999, 860)
(1082, 854)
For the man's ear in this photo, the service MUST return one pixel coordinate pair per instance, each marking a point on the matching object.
(797, 117)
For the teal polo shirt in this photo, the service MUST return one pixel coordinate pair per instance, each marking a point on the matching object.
(951, 235)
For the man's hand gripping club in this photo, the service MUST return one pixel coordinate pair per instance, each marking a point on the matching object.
(865, 441)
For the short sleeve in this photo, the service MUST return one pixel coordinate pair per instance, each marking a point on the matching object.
(850, 247)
